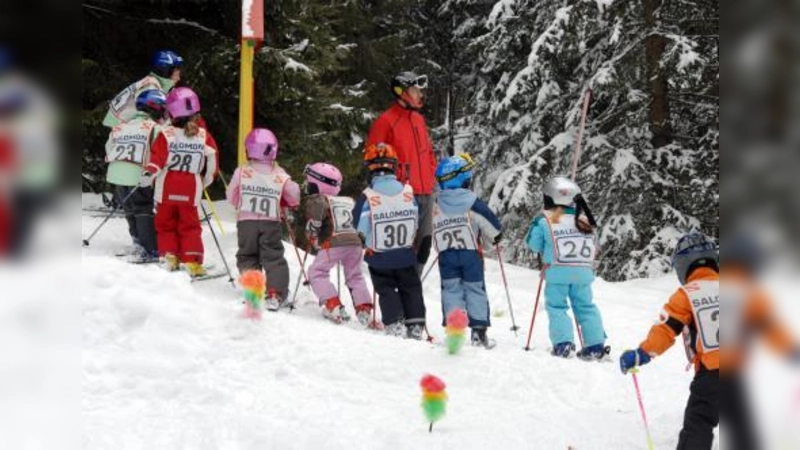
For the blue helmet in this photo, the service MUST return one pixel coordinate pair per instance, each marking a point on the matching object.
(165, 61)
(153, 102)
(455, 172)
(694, 250)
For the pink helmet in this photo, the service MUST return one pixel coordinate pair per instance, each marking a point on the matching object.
(326, 177)
(182, 102)
(261, 145)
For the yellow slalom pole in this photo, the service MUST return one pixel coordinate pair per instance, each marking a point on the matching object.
(214, 212)
(245, 95)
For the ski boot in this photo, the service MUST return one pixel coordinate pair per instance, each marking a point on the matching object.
(479, 339)
(272, 303)
(415, 331)
(170, 262)
(196, 269)
(563, 350)
(334, 311)
(143, 257)
(364, 314)
(594, 352)
(397, 329)
(129, 250)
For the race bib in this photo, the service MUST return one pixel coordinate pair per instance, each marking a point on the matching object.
(186, 154)
(452, 232)
(393, 218)
(394, 235)
(130, 142)
(571, 247)
(342, 214)
(121, 101)
(704, 299)
(261, 193)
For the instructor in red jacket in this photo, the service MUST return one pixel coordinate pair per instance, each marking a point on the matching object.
(404, 128)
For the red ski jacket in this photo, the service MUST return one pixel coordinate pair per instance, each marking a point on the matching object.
(184, 165)
(405, 130)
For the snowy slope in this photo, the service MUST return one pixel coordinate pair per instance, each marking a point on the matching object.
(170, 364)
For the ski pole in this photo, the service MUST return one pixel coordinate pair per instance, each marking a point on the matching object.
(213, 212)
(339, 279)
(650, 444)
(514, 326)
(535, 309)
(296, 250)
(111, 213)
(430, 268)
(299, 277)
(219, 247)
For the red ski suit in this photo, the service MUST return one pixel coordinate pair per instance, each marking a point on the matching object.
(184, 166)
(405, 130)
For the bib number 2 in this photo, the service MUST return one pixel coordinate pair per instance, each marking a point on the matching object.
(708, 324)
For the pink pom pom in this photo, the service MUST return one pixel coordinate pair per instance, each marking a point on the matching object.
(457, 318)
(431, 383)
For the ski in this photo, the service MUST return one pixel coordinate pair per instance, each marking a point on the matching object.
(210, 276)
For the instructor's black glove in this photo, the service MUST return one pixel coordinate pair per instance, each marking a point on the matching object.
(498, 238)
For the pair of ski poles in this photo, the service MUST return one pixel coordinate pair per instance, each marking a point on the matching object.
(498, 252)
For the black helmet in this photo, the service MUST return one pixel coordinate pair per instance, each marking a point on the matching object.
(694, 250)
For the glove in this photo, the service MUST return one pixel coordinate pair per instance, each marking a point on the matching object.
(146, 179)
(631, 359)
(498, 238)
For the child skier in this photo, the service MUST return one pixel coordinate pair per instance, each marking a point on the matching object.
(460, 221)
(694, 312)
(330, 229)
(694, 306)
(386, 214)
(564, 236)
(259, 190)
(127, 152)
(165, 72)
(183, 163)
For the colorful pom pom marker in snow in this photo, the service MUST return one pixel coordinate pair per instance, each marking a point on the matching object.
(457, 322)
(434, 399)
(254, 283)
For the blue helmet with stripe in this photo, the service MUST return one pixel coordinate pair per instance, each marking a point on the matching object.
(153, 102)
(455, 172)
(165, 61)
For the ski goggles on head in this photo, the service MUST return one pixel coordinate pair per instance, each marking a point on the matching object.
(470, 162)
(319, 177)
(421, 82)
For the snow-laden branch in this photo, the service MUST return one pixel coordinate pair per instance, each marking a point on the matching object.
(183, 22)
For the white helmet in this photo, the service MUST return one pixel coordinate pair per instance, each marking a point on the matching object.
(561, 191)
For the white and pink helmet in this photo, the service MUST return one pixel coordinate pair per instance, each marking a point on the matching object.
(182, 102)
(326, 177)
(261, 145)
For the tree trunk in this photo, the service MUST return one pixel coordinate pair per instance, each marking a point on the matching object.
(655, 45)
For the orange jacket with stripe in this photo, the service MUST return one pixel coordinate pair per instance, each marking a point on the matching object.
(749, 312)
(677, 315)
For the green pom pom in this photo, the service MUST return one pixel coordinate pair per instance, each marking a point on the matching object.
(434, 409)
(252, 297)
(454, 343)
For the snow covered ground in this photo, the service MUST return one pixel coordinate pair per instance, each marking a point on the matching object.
(169, 364)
